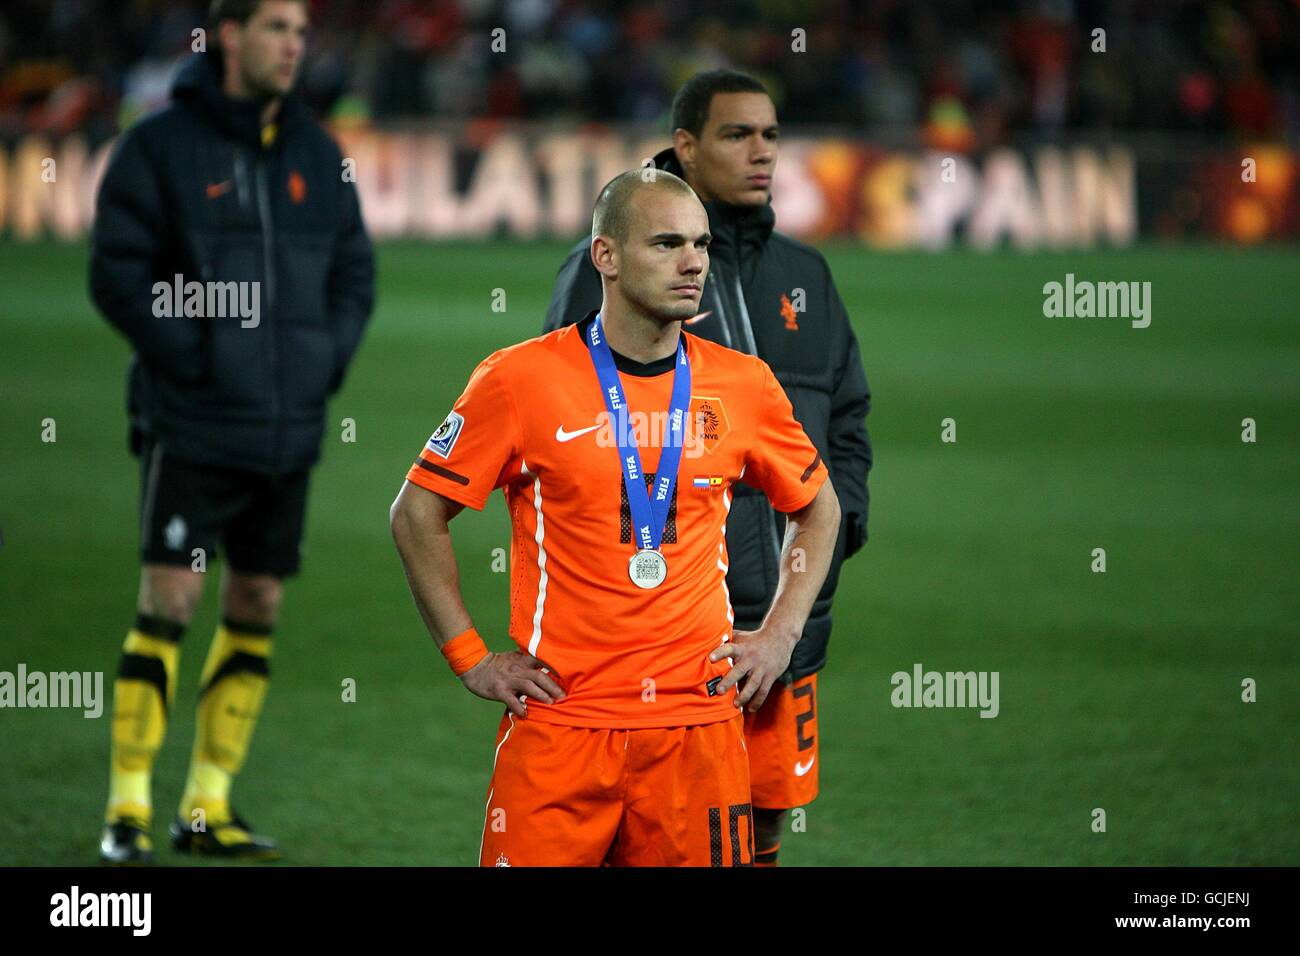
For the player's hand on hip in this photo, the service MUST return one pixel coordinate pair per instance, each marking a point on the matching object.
(758, 659)
(511, 677)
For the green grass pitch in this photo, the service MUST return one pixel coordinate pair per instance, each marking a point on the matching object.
(1119, 690)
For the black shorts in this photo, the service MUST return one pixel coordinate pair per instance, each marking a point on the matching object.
(256, 518)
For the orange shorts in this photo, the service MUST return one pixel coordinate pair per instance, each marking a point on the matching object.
(782, 740)
(580, 796)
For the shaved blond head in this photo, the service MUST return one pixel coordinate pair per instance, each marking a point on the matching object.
(613, 214)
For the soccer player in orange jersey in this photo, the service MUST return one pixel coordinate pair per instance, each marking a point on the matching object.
(616, 441)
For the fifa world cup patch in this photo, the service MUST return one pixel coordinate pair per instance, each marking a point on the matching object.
(444, 439)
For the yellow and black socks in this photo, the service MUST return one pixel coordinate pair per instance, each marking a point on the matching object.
(142, 697)
(231, 691)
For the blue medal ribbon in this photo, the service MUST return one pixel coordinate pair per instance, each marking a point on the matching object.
(649, 512)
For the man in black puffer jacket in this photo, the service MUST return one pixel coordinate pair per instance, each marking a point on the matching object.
(771, 296)
(229, 249)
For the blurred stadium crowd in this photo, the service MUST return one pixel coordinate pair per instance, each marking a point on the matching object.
(983, 72)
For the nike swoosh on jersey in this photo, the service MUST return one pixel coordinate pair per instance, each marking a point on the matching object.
(800, 769)
(562, 435)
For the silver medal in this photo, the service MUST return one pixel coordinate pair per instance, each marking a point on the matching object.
(647, 568)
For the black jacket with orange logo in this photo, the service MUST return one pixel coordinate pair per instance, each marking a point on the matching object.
(199, 190)
(757, 281)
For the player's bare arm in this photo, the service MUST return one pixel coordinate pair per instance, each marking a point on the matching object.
(419, 519)
(760, 657)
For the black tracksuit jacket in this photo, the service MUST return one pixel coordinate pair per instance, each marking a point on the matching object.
(751, 268)
(193, 190)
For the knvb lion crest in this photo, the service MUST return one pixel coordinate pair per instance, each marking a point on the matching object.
(789, 314)
(710, 420)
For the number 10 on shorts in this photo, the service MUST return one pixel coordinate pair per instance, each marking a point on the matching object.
(742, 851)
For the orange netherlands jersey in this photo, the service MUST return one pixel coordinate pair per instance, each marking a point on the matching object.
(533, 421)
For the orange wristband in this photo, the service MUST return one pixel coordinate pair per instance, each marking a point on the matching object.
(464, 651)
